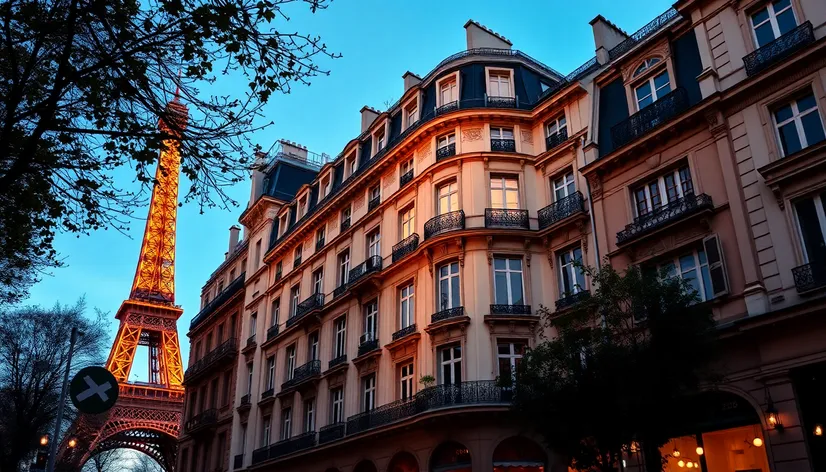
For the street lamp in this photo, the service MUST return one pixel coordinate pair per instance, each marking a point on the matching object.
(44, 440)
(72, 442)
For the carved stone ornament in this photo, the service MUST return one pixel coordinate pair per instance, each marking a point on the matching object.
(471, 134)
(550, 253)
(490, 250)
(595, 180)
(461, 243)
(358, 203)
(429, 253)
(528, 252)
(527, 136)
(389, 178)
(424, 152)
(716, 122)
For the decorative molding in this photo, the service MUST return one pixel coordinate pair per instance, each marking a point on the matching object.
(595, 181)
(716, 122)
(429, 253)
(358, 202)
(546, 241)
(460, 241)
(527, 136)
(424, 152)
(528, 252)
(389, 178)
(660, 51)
(490, 250)
(471, 134)
(782, 81)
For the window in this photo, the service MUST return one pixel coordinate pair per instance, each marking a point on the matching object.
(290, 362)
(286, 423)
(571, 278)
(343, 267)
(501, 133)
(282, 226)
(772, 21)
(228, 379)
(407, 218)
(208, 342)
(220, 333)
(499, 84)
(504, 192)
(371, 318)
(345, 218)
(507, 281)
(270, 372)
(312, 346)
(447, 196)
(448, 295)
(445, 141)
(692, 267)
(319, 237)
(798, 124)
(257, 254)
(351, 165)
(450, 359)
(646, 64)
(652, 89)
(368, 383)
(249, 378)
(275, 312)
(406, 166)
(295, 299)
(337, 410)
(411, 114)
(278, 269)
(563, 186)
(675, 185)
(406, 381)
(253, 319)
(407, 312)
(297, 256)
(302, 206)
(811, 226)
(318, 281)
(448, 91)
(220, 287)
(558, 125)
(265, 434)
(379, 142)
(374, 193)
(341, 336)
(374, 244)
(309, 415)
(509, 355)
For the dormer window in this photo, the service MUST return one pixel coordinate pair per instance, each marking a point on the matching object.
(380, 142)
(411, 114)
(448, 91)
(283, 223)
(499, 83)
(326, 185)
(350, 164)
(302, 206)
(645, 65)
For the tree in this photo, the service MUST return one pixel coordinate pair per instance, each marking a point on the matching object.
(620, 360)
(83, 84)
(34, 345)
(110, 461)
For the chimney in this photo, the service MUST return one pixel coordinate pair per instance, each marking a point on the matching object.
(606, 36)
(410, 79)
(294, 150)
(368, 116)
(234, 231)
(257, 175)
(480, 36)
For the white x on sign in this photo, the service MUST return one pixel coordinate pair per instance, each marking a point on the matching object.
(94, 389)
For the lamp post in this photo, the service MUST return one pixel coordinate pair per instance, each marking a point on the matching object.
(63, 390)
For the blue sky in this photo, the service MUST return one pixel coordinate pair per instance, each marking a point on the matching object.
(380, 40)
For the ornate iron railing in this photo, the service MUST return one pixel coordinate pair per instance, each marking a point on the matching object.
(204, 419)
(506, 218)
(331, 432)
(510, 309)
(314, 302)
(652, 27)
(809, 276)
(673, 211)
(367, 343)
(404, 332)
(373, 203)
(572, 299)
(250, 342)
(445, 151)
(272, 331)
(345, 225)
(405, 247)
(561, 209)
(556, 139)
(303, 373)
(245, 401)
(227, 293)
(447, 107)
(260, 454)
(502, 145)
(455, 220)
(447, 314)
(779, 49)
(238, 461)
(267, 393)
(289, 446)
(502, 102)
(651, 117)
(226, 350)
(319, 243)
(339, 291)
(372, 264)
(406, 178)
(342, 359)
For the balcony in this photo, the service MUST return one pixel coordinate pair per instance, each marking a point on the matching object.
(368, 342)
(303, 374)
(311, 305)
(406, 178)
(405, 247)
(267, 394)
(259, 455)
(404, 332)
(371, 265)
(506, 218)
(250, 346)
(572, 299)
(337, 361)
(245, 402)
(453, 221)
(272, 332)
(205, 420)
(779, 49)
(339, 291)
(649, 118)
(226, 294)
(556, 139)
(373, 203)
(289, 446)
(501, 102)
(561, 209)
(502, 145)
(447, 314)
(809, 277)
(445, 151)
(447, 108)
(223, 352)
(345, 225)
(331, 432)
(510, 309)
(238, 461)
(665, 215)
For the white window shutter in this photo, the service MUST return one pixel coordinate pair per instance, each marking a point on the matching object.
(716, 265)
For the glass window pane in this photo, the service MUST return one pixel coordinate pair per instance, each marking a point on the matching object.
(670, 269)
(645, 102)
(580, 279)
(813, 240)
(516, 288)
(503, 348)
(443, 294)
(806, 103)
(812, 128)
(687, 262)
(780, 4)
(454, 289)
(661, 80)
(786, 21)
(708, 295)
(515, 264)
(783, 113)
(691, 277)
(500, 283)
(702, 256)
(760, 16)
(789, 139)
(571, 187)
(499, 264)
(566, 285)
(643, 90)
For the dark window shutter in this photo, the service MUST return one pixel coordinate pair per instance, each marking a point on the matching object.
(716, 265)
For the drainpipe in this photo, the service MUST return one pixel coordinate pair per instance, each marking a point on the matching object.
(593, 223)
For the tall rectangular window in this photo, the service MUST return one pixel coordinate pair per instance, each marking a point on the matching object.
(341, 336)
(295, 299)
(319, 237)
(275, 311)
(445, 141)
(406, 167)
(309, 415)
(380, 142)
(448, 288)
(408, 221)
(368, 383)
(772, 21)
(507, 281)
(343, 267)
(447, 196)
(692, 267)
(556, 126)
(249, 378)
(406, 381)
(253, 320)
(667, 188)
(374, 243)
(318, 281)
(411, 114)
(290, 362)
(265, 433)
(312, 346)
(257, 254)
(407, 311)
(798, 124)
(499, 84)
(563, 186)
(297, 256)
(571, 278)
(371, 319)
(270, 372)
(345, 218)
(337, 405)
(448, 91)
(286, 423)
(374, 194)
(509, 354)
(652, 89)
(450, 361)
(504, 192)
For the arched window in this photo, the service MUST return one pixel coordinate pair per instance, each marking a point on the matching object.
(403, 462)
(646, 65)
(450, 457)
(365, 466)
(518, 454)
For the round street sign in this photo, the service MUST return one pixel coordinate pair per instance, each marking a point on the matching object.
(93, 390)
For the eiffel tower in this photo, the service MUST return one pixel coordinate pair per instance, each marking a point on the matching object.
(147, 415)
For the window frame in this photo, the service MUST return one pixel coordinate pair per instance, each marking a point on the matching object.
(796, 118)
(772, 20)
(290, 358)
(452, 185)
(447, 80)
(559, 123)
(491, 72)
(313, 346)
(337, 405)
(505, 189)
(409, 299)
(649, 79)
(407, 386)
(681, 186)
(270, 372)
(340, 336)
(368, 392)
(343, 266)
(563, 177)
(449, 278)
(370, 320)
(507, 272)
(454, 362)
(286, 423)
(513, 357)
(309, 415)
(820, 212)
(295, 299)
(275, 311)
(576, 286)
(373, 242)
(407, 221)
(318, 281)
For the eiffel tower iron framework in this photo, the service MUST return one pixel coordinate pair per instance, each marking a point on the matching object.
(147, 415)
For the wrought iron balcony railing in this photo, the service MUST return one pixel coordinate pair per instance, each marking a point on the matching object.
(373, 203)
(572, 299)
(250, 342)
(234, 287)
(406, 178)
(238, 461)
(205, 419)
(245, 401)
(404, 332)
(405, 247)
(556, 139)
(303, 373)
(506, 218)
(260, 454)
(510, 309)
(447, 108)
(294, 444)
(502, 145)
(652, 27)
(649, 118)
(561, 209)
(455, 220)
(809, 276)
(339, 291)
(445, 151)
(673, 211)
(502, 102)
(779, 49)
(272, 331)
(331, 432)
(372, 264)
(226, 350)
(314, 302)
(447, 314)
(337, 361)
(367, 343)
(268, 393)
(345, 224)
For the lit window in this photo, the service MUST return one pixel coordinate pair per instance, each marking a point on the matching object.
(798, 124)
(673, 185)
(450, 360)
(499, 84)
(407, 312)
(652, 89)
(571, 277)
(448, 197)
(448, 288)
(374, 244)
(408, 221)
(406, 381)
(501, 133)
(772, 21)
(290, 362)
(564, 186)
(509, 354)
(507, 281)
(504, 192)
